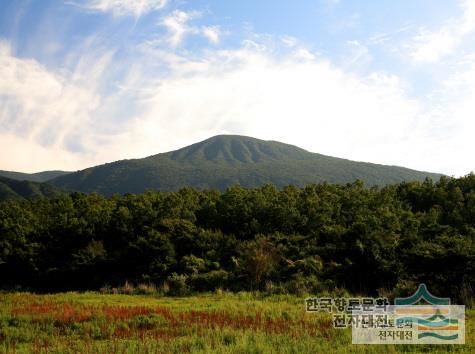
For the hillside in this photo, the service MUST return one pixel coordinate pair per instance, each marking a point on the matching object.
(225, 160)
(34, 177)
(13, 189)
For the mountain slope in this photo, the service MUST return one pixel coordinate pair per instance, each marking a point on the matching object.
(34, 177)
(13, 189)
(225, 160)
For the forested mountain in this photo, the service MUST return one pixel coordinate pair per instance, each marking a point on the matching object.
(226, 160)
(34, 177)
(13, 189)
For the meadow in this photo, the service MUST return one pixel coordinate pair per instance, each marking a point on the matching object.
(218, 322)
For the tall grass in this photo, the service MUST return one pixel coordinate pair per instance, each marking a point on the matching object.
(219, 322)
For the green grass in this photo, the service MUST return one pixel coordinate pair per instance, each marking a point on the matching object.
(209, 323)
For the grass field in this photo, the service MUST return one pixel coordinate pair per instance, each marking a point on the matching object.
(208, 323)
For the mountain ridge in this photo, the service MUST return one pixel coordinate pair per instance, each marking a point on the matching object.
(42, 176)
(15, 189)
(225, 160)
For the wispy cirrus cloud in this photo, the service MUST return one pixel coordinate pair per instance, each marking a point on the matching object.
(134, 8)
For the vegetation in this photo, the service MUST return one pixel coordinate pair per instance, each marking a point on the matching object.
(14, 189)
(226, 271)
(293, 240)
(209, 323)
(223, 161)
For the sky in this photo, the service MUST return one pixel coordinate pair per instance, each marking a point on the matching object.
(85, 82)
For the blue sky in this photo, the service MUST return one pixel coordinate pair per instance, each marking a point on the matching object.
(85, 82)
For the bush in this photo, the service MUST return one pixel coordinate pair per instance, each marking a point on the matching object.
(178, 284)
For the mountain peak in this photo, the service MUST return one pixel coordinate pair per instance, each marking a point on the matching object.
(236, 149)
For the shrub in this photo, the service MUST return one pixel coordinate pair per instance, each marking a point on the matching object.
(178, 284)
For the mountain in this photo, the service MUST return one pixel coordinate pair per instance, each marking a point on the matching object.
(13, 189)
(225, 160)
(34, 177)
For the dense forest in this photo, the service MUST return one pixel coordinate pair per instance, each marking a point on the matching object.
(311, 239)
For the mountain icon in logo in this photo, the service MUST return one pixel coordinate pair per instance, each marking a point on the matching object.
(422, 294)
(432, 320)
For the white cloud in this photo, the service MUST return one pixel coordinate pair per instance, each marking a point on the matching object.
(433, 45)
(51, 120)
(177, 24)
(452, 124)
(40, 108)
(212, 33)
(134, 8)
(37, 99)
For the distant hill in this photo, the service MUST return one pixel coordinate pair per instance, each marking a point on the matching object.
(225, 160)
(34, 177)
(13, 189)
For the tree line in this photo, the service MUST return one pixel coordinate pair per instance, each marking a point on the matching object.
(311, 239)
